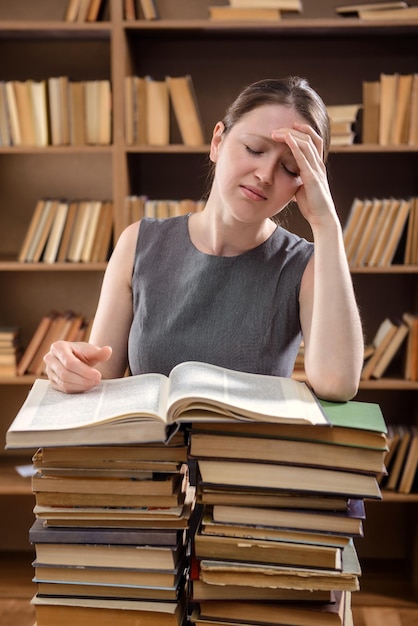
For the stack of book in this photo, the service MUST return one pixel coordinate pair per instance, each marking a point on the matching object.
(149, 104)
(282, 506)
(111, 534)
(281, 478)
(343, 122)
(68, 231)
(10, 350)
(254, 10)
(381, 231)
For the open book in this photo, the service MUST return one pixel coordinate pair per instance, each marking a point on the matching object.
(146, 407)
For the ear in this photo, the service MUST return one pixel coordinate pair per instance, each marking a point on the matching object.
(217, 137)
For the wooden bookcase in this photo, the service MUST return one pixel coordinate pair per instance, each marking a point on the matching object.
(335, 54)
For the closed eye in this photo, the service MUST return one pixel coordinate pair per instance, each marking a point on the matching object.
(290, 172)
(251, 151)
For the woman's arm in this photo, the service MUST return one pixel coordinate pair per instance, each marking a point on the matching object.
(330, 319)
(77, 366)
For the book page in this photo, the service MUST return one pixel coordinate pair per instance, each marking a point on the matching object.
(224, 393)
(46, 408)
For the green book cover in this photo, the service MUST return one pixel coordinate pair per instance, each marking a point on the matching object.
(355, 414)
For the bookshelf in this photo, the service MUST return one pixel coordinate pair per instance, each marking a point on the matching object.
(336, 54)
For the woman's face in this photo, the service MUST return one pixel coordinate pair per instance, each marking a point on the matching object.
(255, 176)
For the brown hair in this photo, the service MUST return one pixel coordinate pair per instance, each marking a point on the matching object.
(292, 91)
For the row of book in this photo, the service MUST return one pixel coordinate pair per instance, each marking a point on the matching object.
(401, 459)
(137, 207)
(394, 341)
(390, 110)
(111, 534)
(148, 104)
(68, 231)
(382, 231)
(140, 9)
(254, 10)
(55, 111)
(266, 536)
(83, 10)
(10, 349)
(53, 326)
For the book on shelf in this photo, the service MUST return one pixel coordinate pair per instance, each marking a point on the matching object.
(381, 340)
(405, 14)
(398, 226)
(386, 228)
(98, 112)
(413, 119)
(343, 120)
(283, 5)
(388, 94)
(146, 407)
(273, 614)
(186, 109)
(77, 113)
(5, 130)
(39, 105)
(58, 110)
(149, 9)
(410, 467)
(67, 611)
(42, 231)
(399, 459)
(411, 243)
(158, 112)
(353, 9)
(22, 91)
(411, 358)
(13, 116)
(392, 350)
(251, 14)
(83, 9)
(370, 111)
(368, 233)
(402, 113)
(68, 327)
(54, 238)
(66, 233)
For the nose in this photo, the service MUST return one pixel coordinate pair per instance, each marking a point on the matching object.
(265, 172)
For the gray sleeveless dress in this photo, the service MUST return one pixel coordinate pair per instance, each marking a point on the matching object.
(238, 312)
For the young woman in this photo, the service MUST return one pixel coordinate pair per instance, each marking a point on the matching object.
(228, 285)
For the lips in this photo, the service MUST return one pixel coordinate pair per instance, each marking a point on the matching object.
(253, 193)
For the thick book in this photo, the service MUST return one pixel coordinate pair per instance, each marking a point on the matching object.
(348, 523)
(277, 576)
(68, 611)
(269, 551)
(314, 480)
(146, 407)
(186, 109)
(230, 13)
(41, 533)
(107, 576)
(273, 614)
